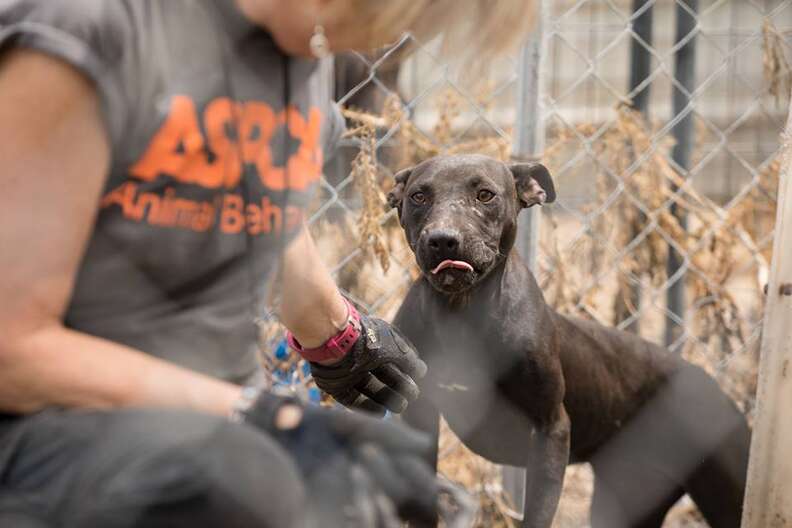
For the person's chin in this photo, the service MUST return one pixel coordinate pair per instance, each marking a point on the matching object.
(292, 46)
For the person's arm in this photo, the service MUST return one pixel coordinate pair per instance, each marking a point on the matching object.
(378, 369)
(312, 307)
(55, 156)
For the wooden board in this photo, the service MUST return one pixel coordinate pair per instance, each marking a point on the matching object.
(768, 498)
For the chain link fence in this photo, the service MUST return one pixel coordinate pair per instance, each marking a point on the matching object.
(660, 122)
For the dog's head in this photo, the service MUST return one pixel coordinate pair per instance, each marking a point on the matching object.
(460, 214)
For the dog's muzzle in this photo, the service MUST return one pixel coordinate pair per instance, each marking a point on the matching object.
(443, 261)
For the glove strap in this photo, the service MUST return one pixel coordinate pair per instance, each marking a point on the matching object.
(337, 346)
(265, 410)
(247, 399)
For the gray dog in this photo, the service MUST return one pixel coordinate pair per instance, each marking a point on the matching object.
(523, 385)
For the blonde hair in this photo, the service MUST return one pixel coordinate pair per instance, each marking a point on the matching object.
(472, 28)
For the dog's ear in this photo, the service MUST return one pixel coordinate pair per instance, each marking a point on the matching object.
(533, 182)
(396, 194)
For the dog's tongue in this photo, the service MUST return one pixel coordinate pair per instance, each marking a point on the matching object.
(457, 264)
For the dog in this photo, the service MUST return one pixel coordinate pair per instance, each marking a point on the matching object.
(522, 385)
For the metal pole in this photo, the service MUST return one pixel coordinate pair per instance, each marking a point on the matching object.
(640, 58)
(640, 65)
(685, 74)
(528, 143)
(770, 467)
(529, 130)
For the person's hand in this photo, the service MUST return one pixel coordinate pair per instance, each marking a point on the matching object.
(378, 372)
(359, 471)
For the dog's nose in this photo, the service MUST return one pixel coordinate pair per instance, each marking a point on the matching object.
(443, 240)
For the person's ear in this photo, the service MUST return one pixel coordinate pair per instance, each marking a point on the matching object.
(396, 195)
(533, 183)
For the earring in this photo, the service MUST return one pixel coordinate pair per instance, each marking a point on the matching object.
(320, 46)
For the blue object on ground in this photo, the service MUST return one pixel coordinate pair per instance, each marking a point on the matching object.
(282, 350)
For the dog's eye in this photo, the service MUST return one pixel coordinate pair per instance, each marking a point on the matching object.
(485, 196)
(418, 197)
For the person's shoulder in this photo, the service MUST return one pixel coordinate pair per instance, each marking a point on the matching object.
(96, 37)
(100, 25)
(86, 12)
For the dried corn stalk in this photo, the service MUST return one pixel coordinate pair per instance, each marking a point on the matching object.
(448, 108)
(364, 173)
(776, 67)
(640, 165)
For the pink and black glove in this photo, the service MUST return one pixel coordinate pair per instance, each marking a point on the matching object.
(377, 366)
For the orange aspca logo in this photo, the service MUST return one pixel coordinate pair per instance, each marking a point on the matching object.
(180, 150)
(227, 211)
(215, 159)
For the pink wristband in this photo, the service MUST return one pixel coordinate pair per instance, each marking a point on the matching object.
(337, 346)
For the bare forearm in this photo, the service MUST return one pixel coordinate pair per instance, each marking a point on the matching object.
(311, 307)
(55, 366)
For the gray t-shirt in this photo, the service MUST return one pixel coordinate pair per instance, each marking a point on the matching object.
(217, 145)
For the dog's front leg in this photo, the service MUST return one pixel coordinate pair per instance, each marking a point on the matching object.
(548, 456)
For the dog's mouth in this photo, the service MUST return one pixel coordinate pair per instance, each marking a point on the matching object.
(452, 264)
(453, 272)
(452, 276)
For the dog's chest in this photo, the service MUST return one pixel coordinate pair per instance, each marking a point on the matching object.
(479, 414)
(464, 369)
(467, 355)
(460, 361)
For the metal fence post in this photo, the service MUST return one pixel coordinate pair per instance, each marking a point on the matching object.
(683, 132)
(767, 501)
(528, 142)
(529, 128)
(640, 69)
(640, 57)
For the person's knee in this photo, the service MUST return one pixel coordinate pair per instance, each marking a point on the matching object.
(22, 520)
(249, 470)
(169, 466)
